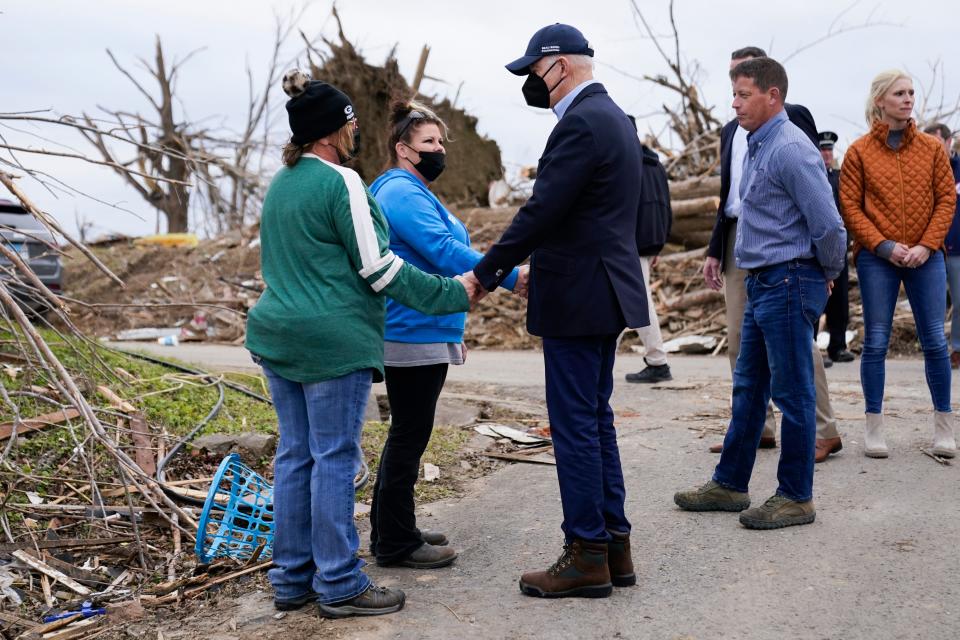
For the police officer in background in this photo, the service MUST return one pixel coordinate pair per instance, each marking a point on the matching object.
(838, 304)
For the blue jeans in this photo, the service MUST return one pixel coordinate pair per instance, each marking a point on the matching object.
(579, 378)
(879, 287)
(784, 304)
(953, 282)
(315, 540)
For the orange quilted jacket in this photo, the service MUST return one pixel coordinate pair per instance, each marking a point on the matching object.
(907, 195)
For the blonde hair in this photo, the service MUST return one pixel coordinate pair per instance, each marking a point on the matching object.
(880, 85)
(344, 144)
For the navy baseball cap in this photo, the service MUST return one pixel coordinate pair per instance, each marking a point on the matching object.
(551, 40)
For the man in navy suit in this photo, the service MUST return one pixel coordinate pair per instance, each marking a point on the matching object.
(733, 144)
(586, 286)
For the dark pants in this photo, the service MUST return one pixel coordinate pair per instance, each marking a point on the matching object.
(784, 304)
(838, 312)
(579, 377)
(413, 394)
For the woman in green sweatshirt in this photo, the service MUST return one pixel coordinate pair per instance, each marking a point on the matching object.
(317, 330)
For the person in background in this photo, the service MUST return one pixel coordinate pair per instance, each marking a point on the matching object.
(419, 348)
(838, 305)
(952, 243)
(317, 331)
(899, 198)
(791, 242)
(654, 220)
(720, 270)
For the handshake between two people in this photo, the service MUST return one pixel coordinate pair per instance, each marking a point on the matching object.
(476, 292)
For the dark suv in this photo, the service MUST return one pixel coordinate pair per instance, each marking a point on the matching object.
(21, 232)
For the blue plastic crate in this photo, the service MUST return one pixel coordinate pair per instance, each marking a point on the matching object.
(237, 517)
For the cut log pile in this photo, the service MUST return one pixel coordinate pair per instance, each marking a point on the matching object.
(694, 202)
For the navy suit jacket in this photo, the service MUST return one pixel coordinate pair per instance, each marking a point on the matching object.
(800, 116)
(580, 225)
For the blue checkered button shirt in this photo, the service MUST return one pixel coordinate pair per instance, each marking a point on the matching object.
(787, 210)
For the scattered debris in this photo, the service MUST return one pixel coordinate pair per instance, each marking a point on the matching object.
(431, 472)
(940, 459)
(495, 430)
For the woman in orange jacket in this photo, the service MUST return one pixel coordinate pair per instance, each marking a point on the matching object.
(898, 197)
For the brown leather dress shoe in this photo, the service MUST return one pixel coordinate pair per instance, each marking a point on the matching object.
(766, 442)
(826, 447)
(581, 571)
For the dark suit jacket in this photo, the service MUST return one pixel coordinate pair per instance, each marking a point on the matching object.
(800, 116)
(580, 226)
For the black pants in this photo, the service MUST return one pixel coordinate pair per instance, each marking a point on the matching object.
(838, 312)
(413, 394)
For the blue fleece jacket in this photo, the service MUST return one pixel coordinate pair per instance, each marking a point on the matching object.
(952, 241)
(426, 235)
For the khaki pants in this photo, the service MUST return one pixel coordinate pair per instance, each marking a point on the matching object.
(735, 296)
(650, 334)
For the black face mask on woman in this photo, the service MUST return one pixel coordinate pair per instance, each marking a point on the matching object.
(431, 165)
(535, 90)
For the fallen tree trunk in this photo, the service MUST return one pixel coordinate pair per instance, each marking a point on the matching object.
(695, 187)
(706, 206)
(701, 297)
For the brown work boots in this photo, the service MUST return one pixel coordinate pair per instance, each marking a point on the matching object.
(581, 571)
(584, 570)
(620, 561)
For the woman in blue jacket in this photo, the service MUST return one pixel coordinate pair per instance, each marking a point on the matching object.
(417, 348)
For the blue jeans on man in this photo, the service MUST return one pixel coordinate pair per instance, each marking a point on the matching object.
(784, 304)
(579, 382)
(879, 288)
(315, 540)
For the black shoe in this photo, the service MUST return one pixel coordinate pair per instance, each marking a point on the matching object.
(827, 363)
(843, 356)
(375, 601)
(429, 557)
(652, 374)
(292, 604)
(435, 538)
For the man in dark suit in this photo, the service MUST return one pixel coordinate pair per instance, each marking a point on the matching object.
(721, 272)
(838, 305)
(585, 286)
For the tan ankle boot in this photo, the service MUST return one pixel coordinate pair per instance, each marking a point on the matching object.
(873, 443)
(944, 444)
(581, 572)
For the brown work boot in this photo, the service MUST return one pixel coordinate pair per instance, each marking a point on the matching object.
(620, 561)
(581, 571)
(766, 442)
(826, 447)
(712, 497)
(777, 512)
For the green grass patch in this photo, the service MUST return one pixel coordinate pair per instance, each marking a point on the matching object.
(443, 450)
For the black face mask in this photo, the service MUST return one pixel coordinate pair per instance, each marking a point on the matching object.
(431, 165)
(535, 90)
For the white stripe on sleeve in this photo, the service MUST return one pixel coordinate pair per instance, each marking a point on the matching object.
(367, 243)
(388, 277)
(380, 263)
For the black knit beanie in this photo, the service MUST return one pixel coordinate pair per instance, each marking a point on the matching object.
(315, 109)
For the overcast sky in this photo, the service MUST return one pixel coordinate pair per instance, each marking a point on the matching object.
(54, 58)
